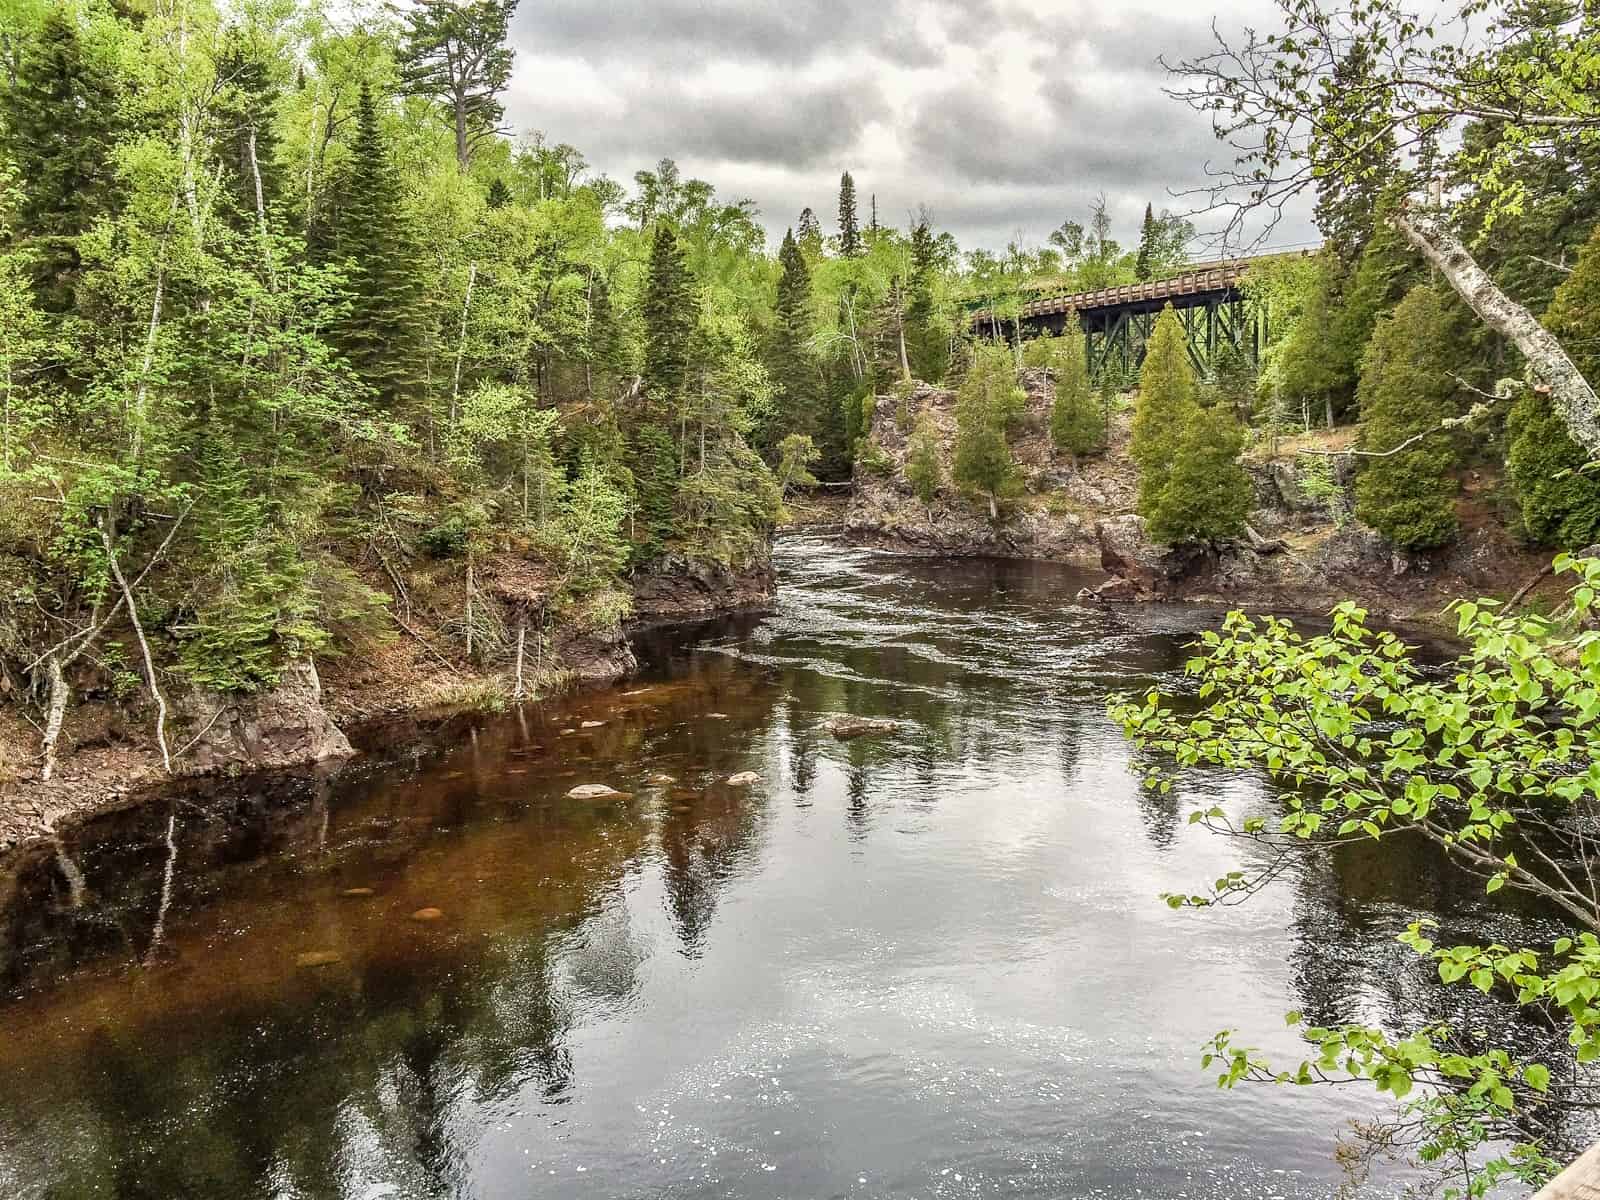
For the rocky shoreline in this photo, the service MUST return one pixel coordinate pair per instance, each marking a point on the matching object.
(109, 759)
(1302, 552)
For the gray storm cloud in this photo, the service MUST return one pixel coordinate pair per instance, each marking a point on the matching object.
(1003, 118)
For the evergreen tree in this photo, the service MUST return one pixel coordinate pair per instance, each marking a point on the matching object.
(1407, 389)
(1208, 494)
(1166, 406)
(382, 335)
(1077, 425)
(1347, 209)
(670, 314)
(1559, 501)
(927, 344)
(1144, 263)
(1385, 273)
(792, 364)
(670, 317)
(809, 233)
(455, 52)
(923, 470)
(245, 128)
(849, 230)
(1574, 312)
(1191, 486)
(499, 194)
(60, 125)
(987, 403)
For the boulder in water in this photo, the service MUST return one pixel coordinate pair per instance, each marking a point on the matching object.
(356, 893)
(427, 914)
(660, 779)
(591, 725)
(845, 726)
(743, 779)
(593, 791)
(317, 958)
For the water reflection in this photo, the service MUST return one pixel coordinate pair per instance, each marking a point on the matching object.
(928, 965)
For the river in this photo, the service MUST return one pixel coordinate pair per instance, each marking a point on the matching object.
(933, 964)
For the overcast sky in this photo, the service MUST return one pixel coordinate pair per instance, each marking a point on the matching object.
(1000, 115)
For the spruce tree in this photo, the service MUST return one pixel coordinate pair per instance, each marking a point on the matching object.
(987, 403)
(382, 335)
(1407, 389)
(1347, 209)
(499, 194)
(1077, 425)
(849, 228)
(1143, 265)
(245, 127)
(60, 125)
(1165, 407)
(1386, 271)
(792, 365)
(669, 323)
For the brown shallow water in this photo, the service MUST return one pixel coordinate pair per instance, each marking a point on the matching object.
(928, 965)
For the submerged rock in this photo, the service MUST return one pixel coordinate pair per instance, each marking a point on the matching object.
(357, 892)
(317, 958)
(743, 779)
(592, 791)
(427, 914)
(845, 726)
(660, 779)
(591, 725)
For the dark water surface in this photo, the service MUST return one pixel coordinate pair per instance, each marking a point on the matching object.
(930, 965)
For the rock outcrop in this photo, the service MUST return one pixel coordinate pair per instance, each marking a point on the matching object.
(284, 727)
(678, 589)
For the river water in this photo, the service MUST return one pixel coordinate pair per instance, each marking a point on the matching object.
(928, 965)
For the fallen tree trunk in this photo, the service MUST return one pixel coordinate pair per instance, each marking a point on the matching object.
(1570, 393)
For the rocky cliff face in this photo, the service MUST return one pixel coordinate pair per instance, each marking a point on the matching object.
(1055, 519)
(679, 590)
(1301, 550)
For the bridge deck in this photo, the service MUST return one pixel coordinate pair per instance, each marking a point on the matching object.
(1224, 277)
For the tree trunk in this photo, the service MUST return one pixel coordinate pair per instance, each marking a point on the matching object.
(469, 604)
(144, 644)
(54, 714)
(461, 346)
(522, 643)
(994, 509)
(1571, 395)
(463, 150)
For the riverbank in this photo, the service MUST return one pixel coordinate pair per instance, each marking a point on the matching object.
(109, 757)
(1304, 551)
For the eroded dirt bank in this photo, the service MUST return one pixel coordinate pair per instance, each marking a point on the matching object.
(109, 757)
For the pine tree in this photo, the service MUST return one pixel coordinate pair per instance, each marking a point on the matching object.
(1386, 271)
(1144, 263)
(1166, 406)
(1407, 389)
(1077, 425)
(849, 229)
(456, 53)
(923, 470)
(499, 194)
(383, 334)
(987, 403)
(60, 125)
